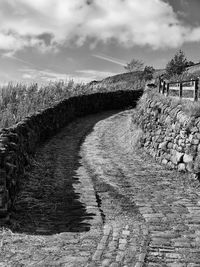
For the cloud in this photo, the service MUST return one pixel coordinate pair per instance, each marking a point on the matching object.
(45, 76)
(49, 24)
(27, 76)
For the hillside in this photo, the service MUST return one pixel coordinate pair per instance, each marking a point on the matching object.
(123, 81)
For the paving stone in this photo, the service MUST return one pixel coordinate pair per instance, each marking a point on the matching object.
(146, 214)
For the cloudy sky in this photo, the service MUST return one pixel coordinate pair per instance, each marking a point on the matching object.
(44, 40)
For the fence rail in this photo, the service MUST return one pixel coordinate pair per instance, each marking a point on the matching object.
(185, 90)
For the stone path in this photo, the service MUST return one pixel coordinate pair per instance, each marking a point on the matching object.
(107, 204)
(167, 203)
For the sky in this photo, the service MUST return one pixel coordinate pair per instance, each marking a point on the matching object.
(47, 40)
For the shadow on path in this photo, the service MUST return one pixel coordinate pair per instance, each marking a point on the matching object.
(47, 202)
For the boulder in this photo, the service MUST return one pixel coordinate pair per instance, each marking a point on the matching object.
(163, 146)
(187, 158)
(176, 157)
(181, 167)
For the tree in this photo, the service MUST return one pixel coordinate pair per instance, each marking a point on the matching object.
(177, 64)
(134, 65)
(148, 73)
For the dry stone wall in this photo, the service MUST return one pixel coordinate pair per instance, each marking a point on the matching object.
(169, 135)
(19, 142)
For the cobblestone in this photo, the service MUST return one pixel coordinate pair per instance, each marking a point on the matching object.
(163, 201)
(129, 211)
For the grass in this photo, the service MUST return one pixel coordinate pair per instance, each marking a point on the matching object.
(19, 100)
(190, 108)
(124, 81)
(185, 76)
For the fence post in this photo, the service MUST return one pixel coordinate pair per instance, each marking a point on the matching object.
(181, 90)
(167, 93)
(196, 89)
(163, 89)
(160, 85)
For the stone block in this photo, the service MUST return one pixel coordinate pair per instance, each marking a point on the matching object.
(181, 142)
(164, 161)
(195, 141)
(176, 157)
(194, 129)
(183, 134)
(197, 164)
(181, 167)
(197, 135)
(190, 166)
(198, 125)
(187, 158)
(180, 149)
(163, 146)
(191, 136)
(170, 145)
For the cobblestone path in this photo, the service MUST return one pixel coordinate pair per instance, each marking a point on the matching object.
(160, 208)
(107, 204)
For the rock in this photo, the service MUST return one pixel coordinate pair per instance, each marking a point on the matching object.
(197, 135)
(168, 120)
(195, 141)
(183, 134)
(197, 164)
(182, 117)
(180, 149)
(163, 146)
(190, 137)
(169, 145)
(177, 126)
(181, 167)
(187, 158)
(164, 161)
(190, 166)
(176, 157)
(192, 150)
(198, 125)
(181, 142)
(194, 129)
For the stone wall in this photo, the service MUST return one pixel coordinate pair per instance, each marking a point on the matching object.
(17, 143)
(169, 135)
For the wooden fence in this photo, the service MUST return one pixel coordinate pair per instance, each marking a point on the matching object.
(184, 90)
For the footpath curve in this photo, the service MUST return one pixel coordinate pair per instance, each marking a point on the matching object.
(107, 204)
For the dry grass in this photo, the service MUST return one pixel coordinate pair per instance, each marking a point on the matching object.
(189, 107)
(185, 76)
(19, 100)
